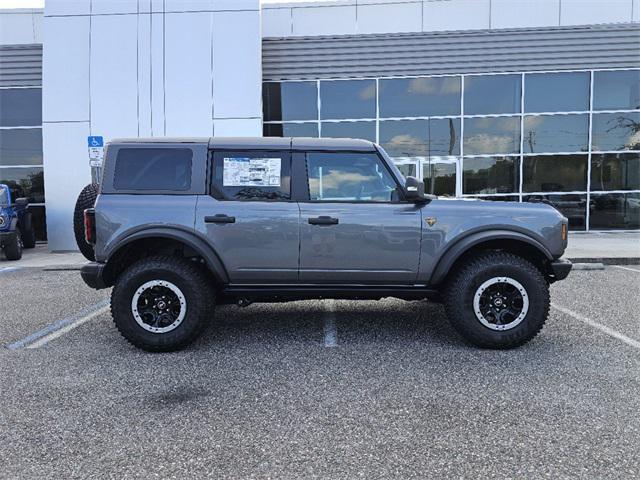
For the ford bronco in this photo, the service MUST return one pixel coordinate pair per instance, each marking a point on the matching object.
(16, 228)
(180, 225)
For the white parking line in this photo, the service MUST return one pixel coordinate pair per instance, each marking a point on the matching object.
(8, 269)
(603, 328)
(626, 268)
(59, 328)
(330, 330)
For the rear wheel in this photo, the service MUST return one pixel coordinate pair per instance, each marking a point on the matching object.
(27, 231)
(162, 303)
(86, 199)
(497, 300)
(13, 247)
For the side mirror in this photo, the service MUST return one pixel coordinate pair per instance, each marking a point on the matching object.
(414, 190)
(21, 202)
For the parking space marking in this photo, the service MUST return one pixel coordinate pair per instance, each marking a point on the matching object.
(8, 269)
(329, 327)
(626, 268)
(59, 328)
(603, 328)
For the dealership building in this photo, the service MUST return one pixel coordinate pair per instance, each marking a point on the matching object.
(520, 100)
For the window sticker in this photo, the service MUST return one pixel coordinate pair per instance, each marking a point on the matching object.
(251, 172)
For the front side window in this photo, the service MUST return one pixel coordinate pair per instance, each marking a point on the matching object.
(252, 175)
(153, 169)
(349, 177)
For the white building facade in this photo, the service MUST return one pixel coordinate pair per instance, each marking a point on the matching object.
(521, 100)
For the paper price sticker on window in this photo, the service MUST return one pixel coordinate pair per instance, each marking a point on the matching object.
(251, 172)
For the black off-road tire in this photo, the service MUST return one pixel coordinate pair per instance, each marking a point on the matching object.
(86, 199)
(465, 282)
(27, 231)
(192, 281)
(13, 248)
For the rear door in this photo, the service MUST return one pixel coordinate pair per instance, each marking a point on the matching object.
(249, 217)
(354, 227)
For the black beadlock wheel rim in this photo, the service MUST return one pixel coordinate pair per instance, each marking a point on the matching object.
(158, 306)
(501, 303)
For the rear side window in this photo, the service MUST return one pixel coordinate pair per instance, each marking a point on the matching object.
(153, 169)
(254, 175)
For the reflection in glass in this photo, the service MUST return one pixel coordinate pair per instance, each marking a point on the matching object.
(348, 99)
(419, 97)
(21, 147)
(616, 90)
(20, 107)
(616, 131)
(444, 136)
(501, 198)
(420, 138)
(39, 221)
(491, 135)
(408, 169)
(572, 206)
(24, 182)
(290, 101)
(439, 178)
(556, 133)
(556, 92)
(405, 138)
(349, 177)
(559, 173)
(615, 171)
(290, 130)
(364, 130)
(615, 211)
(485, 94)
(490, 175)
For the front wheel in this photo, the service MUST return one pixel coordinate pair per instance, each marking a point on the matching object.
(162, 304)
(498, 300)
(13, 247)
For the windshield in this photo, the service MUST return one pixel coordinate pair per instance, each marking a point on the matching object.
(4, 196)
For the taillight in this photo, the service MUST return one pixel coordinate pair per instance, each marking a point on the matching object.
(90, 226)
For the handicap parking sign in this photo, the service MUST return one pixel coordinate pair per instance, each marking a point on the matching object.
(95, 141)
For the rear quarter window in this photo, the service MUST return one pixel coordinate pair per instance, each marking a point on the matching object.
(153, 169)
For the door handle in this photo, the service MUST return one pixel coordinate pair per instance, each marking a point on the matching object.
(219, 218)
(323, 220)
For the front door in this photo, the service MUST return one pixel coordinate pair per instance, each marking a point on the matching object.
(353, 227)
(249, 217)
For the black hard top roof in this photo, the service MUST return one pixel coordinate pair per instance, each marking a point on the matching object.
(260, 143)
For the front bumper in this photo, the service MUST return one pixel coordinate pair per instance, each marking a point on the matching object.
(92, 274)
(561, 268)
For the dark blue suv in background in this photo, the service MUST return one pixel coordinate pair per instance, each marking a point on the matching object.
(16, 226)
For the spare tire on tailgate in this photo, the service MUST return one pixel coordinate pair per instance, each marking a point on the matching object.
(86, 199)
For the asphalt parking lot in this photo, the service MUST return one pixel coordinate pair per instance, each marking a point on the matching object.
(331, 389)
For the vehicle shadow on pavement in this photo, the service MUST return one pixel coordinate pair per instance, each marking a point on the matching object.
(355, 322)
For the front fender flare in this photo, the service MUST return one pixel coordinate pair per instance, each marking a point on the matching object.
(183, 235)
(453, 253)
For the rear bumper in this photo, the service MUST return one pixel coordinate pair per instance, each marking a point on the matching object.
(91, 274)
(561, 268)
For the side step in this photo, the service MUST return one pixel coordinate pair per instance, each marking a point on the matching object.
(286, 293)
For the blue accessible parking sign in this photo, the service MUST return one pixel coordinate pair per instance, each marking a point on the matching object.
(95, 142)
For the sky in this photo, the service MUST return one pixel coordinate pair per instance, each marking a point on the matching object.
(40, 3)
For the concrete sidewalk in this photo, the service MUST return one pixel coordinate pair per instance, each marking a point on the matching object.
(605, 247)
(602, 247)
(41, 257)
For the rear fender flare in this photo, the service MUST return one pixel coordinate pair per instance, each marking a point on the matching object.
(180, 234)
(455, 251)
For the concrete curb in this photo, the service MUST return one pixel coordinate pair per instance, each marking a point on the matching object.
(608, 260)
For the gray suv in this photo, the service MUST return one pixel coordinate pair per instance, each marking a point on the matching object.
(181, 225)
